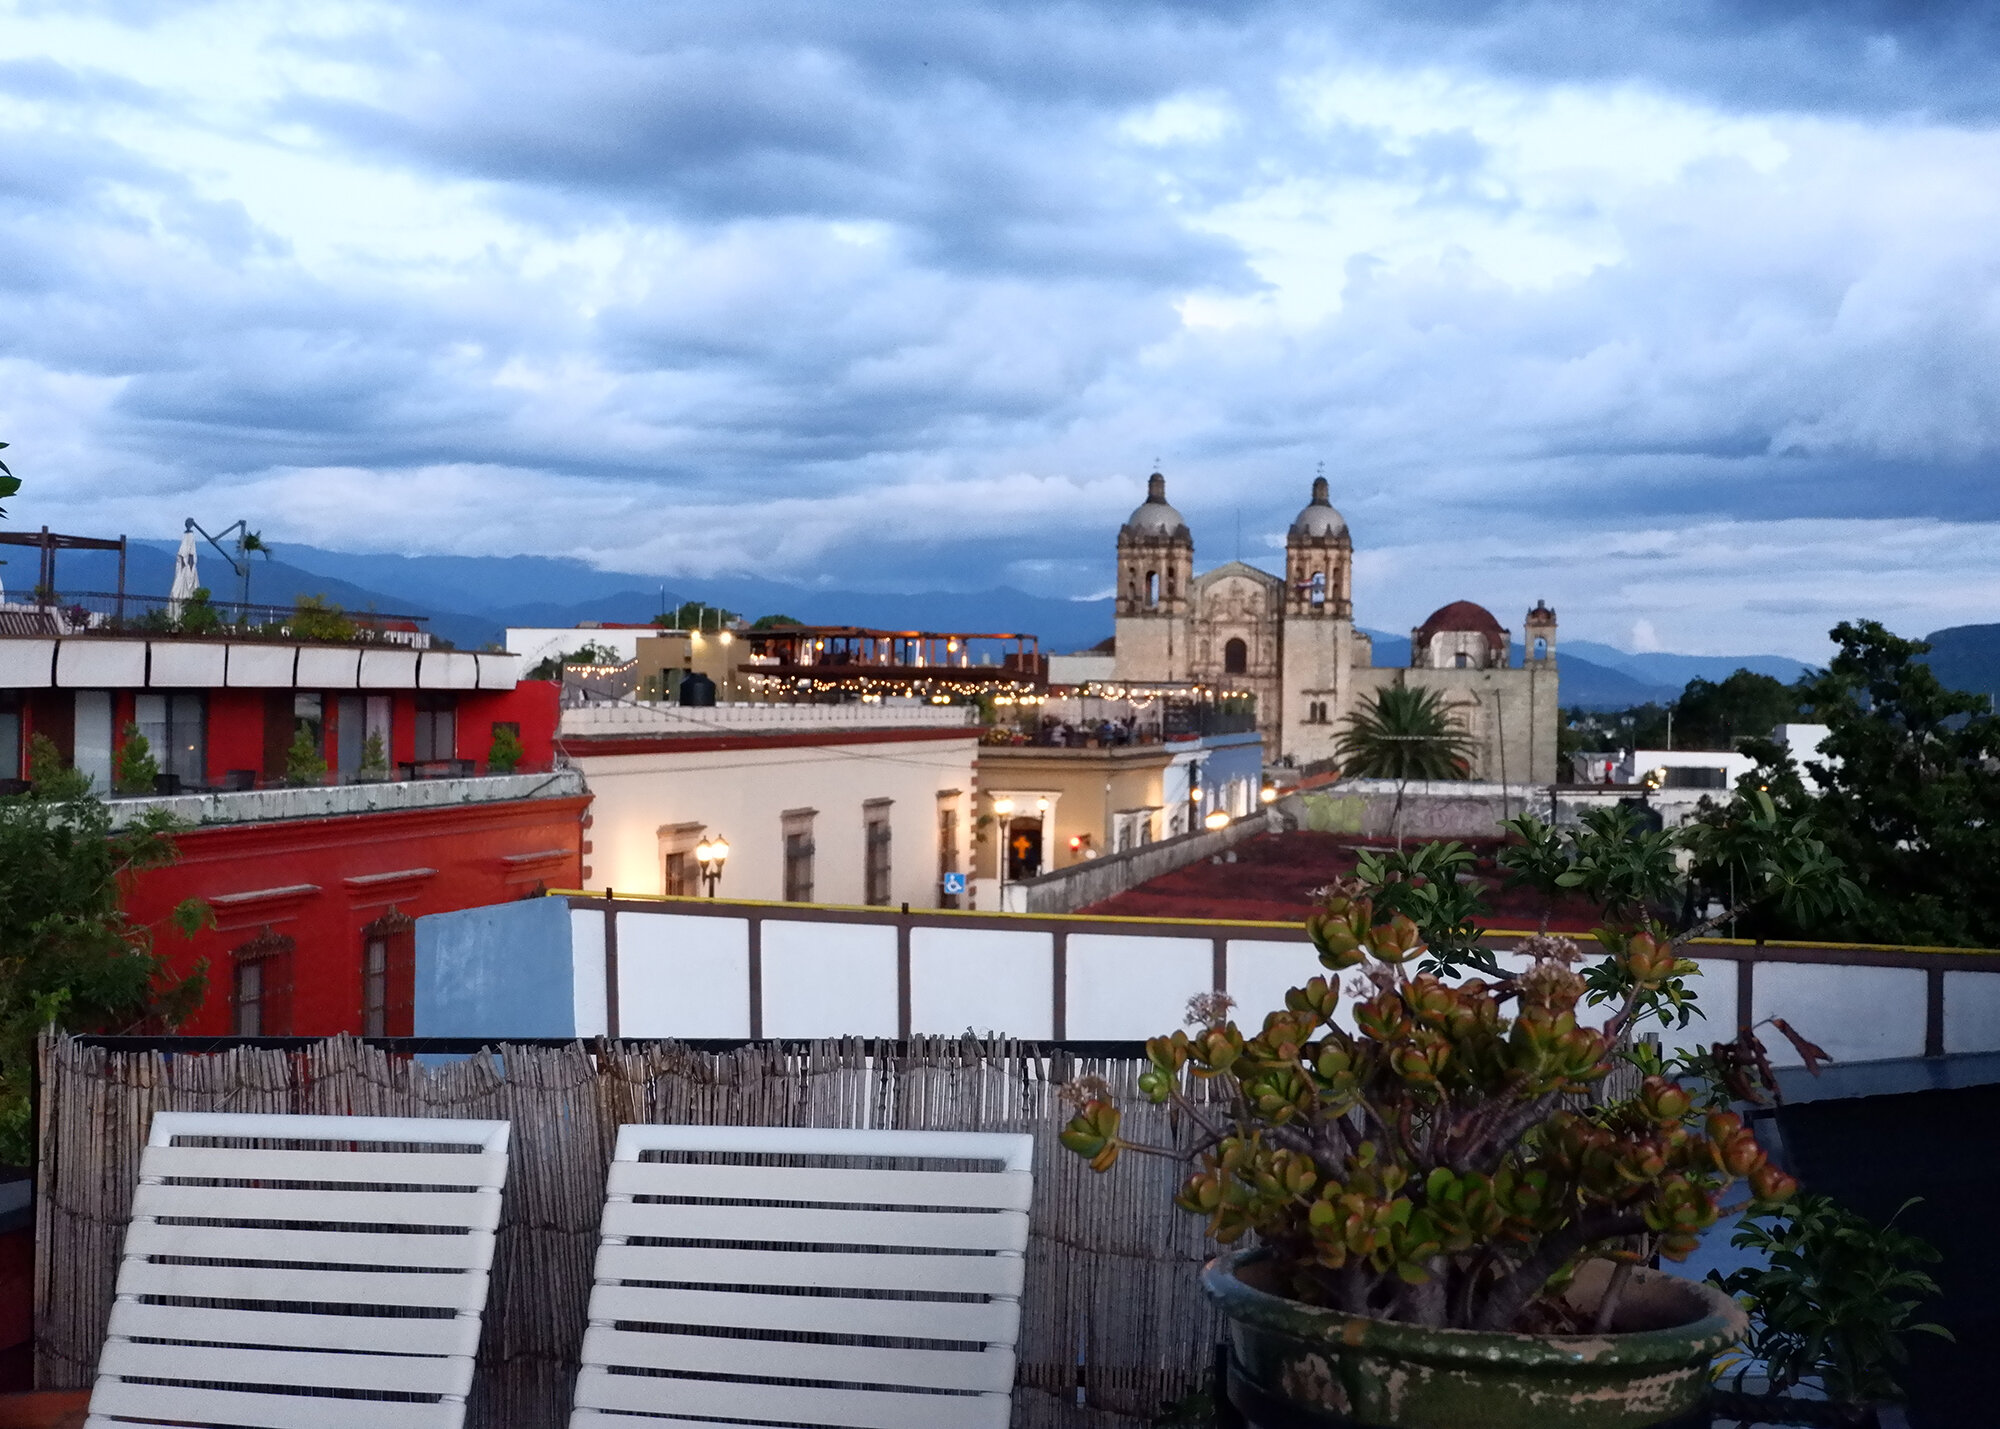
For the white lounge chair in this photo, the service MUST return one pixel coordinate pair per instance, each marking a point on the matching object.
(281, 1285)
(796, 1294)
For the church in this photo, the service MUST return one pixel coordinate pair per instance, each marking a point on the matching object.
(1292, 643)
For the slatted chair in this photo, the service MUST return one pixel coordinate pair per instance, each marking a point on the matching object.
(271, 1281)
(737, 1286)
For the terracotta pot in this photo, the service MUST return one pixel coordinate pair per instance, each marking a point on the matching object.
(1297, 1366)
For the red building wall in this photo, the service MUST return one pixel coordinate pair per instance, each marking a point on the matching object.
(320, 882)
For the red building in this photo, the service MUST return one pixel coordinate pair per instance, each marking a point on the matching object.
(314, 912)
(314, 884)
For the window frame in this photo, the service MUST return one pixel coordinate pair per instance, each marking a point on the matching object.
(877, 853)
(395, 933)
(269, 955)
(798, 854)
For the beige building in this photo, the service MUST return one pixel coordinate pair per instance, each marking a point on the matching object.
(845, 815)
(1292, 643)
(1065, 805)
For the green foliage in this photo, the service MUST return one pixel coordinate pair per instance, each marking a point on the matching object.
(1434, 1165)
(1720, 715)
(774, 622)
(697, 615)
(1910, 794)
(198, 614)
(589, 653)
(137, 769)
(504, 755)
(1404, 733)
(71, 956)
(304, 764)
(49, 776)
(9, 483)
(374, 756)
(1831, 1306)
(313, 618)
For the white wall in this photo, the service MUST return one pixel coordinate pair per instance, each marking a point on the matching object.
(742, 793)
(687, 975)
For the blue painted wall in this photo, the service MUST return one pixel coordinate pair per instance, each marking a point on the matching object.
(501, 971)
(1233, 756)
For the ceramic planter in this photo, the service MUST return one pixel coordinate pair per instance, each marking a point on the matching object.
(1296, 1366)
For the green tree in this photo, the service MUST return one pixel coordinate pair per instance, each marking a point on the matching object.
(550, 667)
(1720, 715)
(198, 614)
(9, 483)
(1404, 733)
(374, 757)
(313, 618)
(304, 764)
(70, 955)
(504, 755)
(1909, 793)
(775, 622)
(137, 769)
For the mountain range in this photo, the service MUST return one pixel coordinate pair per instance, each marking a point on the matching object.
(471, 600)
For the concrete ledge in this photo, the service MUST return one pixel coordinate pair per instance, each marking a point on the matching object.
(260, 806)
(1094, 880)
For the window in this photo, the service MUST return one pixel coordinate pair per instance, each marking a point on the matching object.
(875, 871)
(1317, 593)
(1235, 658)
(1152, 587)
(260, 988)
(176, 730)
(947, 845)
(388, 976)
(437, 726)
(1541, 648)
(798, 832)
(10, 735)
(1316, 712)
(680, 871)
(1462, 660)
(350, 733)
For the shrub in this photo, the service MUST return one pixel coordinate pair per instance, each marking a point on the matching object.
(137, 770)
(504, 755)
(303, 762)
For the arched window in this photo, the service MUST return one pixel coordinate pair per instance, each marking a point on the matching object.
(1152, 587)
(1318, 594)
(1464, 660)
(1235, 658)
(1541, 648)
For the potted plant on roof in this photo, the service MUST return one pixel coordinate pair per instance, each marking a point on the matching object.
(1449, 1216)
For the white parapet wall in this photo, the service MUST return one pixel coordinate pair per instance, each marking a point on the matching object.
(628, 718)
(689, 968)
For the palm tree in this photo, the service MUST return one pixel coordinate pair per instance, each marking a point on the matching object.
(1404, 734)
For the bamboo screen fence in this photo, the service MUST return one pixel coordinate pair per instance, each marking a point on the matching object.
(1113, 1324)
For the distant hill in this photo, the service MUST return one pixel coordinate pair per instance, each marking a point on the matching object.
(1657, 667)
(1967, 657)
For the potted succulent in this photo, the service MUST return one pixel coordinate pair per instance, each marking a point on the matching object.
(1451, 1218)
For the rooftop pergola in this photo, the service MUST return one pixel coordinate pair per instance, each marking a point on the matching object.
(814, 659)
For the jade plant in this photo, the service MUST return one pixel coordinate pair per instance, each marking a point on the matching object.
(1445, 1154)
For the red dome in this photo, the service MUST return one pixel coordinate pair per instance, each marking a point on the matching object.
(1461, 615)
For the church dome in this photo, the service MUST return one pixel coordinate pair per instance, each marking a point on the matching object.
(1461, 616)
(1319, 518)
(1155, 519)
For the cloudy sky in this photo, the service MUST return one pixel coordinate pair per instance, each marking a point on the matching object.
(1683, 320)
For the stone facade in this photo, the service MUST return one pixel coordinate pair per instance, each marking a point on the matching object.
(1292, 643)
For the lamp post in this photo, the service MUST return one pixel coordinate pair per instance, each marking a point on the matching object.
(1002, 808)
(710, 854)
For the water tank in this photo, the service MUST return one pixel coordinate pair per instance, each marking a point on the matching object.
(697, 689)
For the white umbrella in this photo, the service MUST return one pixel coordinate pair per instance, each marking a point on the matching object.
(186, 577)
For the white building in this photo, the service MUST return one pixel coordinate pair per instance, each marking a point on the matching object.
(845, 804)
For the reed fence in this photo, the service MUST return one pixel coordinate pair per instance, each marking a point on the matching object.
(1113, 1324)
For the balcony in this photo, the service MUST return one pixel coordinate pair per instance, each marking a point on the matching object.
(64, 614)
